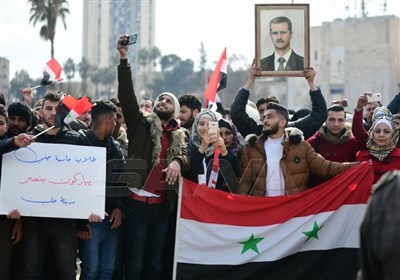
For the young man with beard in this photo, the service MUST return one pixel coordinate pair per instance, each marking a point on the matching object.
(308, 125)
(158, 145)
(278, 162)
(334, 141)
(19, 118)
(39, 233)
(190, 107)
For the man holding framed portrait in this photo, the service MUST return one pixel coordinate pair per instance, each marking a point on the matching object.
(287, 27)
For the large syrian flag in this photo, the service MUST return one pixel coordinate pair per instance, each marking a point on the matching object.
(310, 235)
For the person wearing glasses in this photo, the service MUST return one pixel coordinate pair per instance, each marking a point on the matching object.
(380, 140)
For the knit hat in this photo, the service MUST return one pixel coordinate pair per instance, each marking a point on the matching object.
(225, 123)
(21, 109)
(177, 107)
(279, 108)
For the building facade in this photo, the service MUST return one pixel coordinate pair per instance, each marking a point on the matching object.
(4, 74)
(105, 21)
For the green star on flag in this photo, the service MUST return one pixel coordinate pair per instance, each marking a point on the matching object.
(251, 244)
(312, 233)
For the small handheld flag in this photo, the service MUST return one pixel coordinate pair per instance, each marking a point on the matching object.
(81, 107)
(68, 110)
(51, 73)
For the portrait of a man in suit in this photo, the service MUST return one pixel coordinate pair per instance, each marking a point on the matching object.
(284, 57)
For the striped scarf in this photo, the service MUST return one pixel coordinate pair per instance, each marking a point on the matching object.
(381, 152)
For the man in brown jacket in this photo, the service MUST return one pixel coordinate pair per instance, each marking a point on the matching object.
(279, 161)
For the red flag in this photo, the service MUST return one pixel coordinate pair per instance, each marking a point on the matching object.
(218, 79)
(54, 69)
(69, 101)
(81, 107)
(70, 108)
(51, 73)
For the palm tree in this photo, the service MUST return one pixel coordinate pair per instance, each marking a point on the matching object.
(143, 58)
(69, 70)
(47, 11)
(84, 71)
(154, 55)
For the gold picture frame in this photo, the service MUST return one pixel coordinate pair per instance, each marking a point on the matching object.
(282, 39)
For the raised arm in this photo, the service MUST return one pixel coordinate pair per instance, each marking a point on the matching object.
(244, 123)
(126, 92)
(311, 123)
(394, 105)
(357, 127)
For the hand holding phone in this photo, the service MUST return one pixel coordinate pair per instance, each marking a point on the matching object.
(375, 97)
(213, 128)
(130, 40)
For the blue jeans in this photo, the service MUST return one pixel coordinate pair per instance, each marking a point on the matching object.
(98, 254)
(146, 232)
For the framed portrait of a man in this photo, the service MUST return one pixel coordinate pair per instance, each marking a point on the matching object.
(282, 39)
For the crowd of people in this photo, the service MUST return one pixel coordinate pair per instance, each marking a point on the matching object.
(273, 154)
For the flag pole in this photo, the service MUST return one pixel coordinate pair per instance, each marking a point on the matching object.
(35, 87)
(178, 215)
(44, 131)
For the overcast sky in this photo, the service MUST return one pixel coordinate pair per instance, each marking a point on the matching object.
(180, 27)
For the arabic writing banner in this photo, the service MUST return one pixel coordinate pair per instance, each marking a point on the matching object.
(54, 180)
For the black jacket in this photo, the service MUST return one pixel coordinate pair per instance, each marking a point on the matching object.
(380, 231)
(114, 154)
(63, 136)
(308, 125)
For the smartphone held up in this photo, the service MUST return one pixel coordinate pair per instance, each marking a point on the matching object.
(213, 128)
(130, 40)
(375, 97)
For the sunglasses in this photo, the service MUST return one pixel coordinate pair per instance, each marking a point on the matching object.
(384, 116)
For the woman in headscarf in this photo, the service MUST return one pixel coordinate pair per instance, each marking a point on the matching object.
(381, 143)
(201, 149)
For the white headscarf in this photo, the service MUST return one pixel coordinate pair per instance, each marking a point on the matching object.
(177, 107)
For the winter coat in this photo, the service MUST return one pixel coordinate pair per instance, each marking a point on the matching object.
(144, 129)
(391, 162)
(380, 231)
(341, 148)
(144, 132)
(298, 160)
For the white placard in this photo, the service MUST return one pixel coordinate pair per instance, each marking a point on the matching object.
(54, 180)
